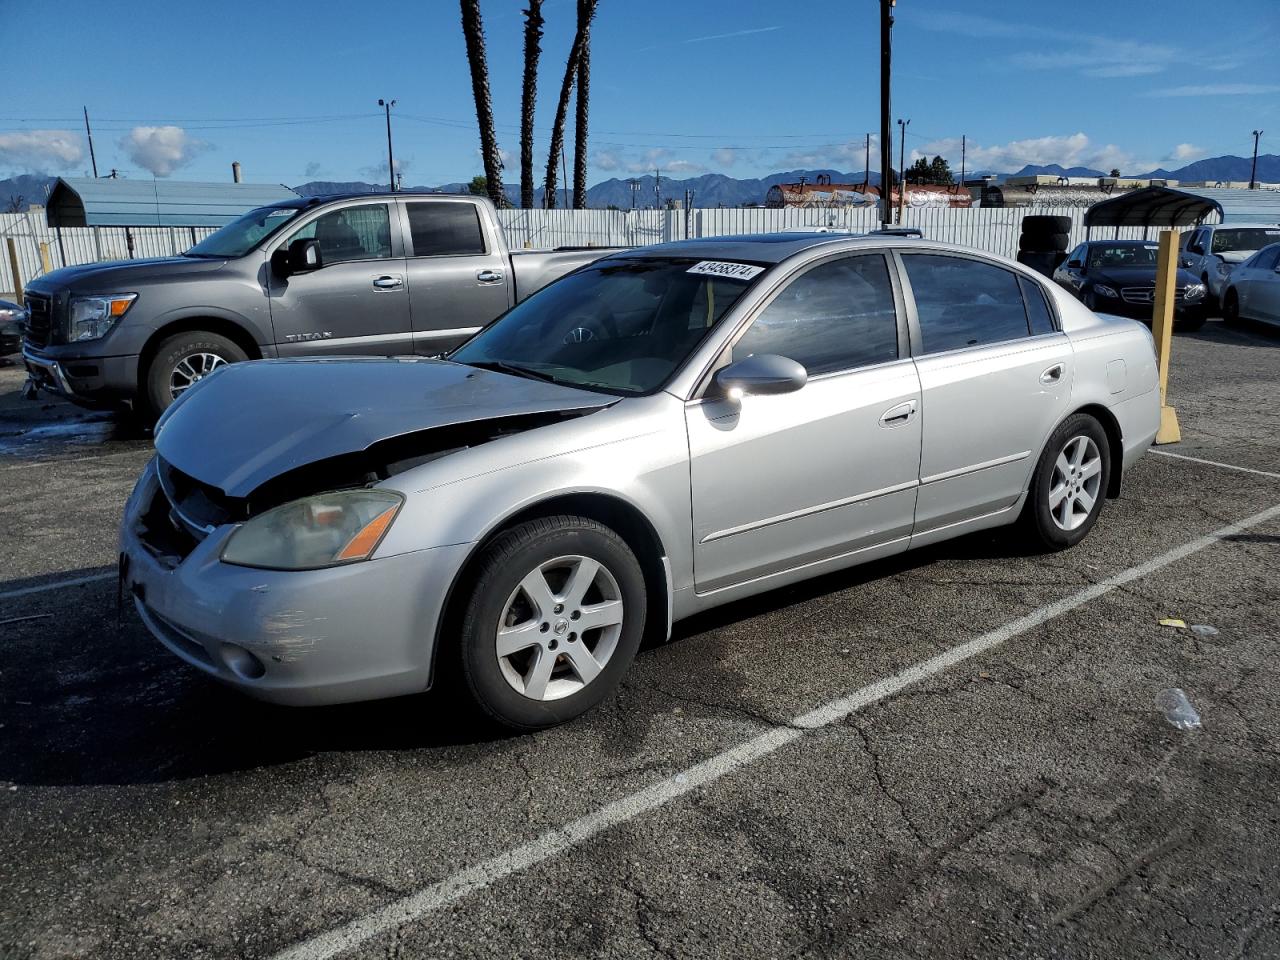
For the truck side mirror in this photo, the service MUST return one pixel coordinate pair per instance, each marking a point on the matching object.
(301, 256)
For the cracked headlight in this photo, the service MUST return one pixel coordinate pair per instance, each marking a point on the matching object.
(326, 530)
(93, 317)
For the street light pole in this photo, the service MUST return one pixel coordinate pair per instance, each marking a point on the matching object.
(902, 166)
(886, 152)
(1253, 170)
(391, 160)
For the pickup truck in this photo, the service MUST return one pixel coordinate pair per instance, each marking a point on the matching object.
(363, 274)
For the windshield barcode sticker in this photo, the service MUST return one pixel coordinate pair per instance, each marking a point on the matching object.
(722, 268)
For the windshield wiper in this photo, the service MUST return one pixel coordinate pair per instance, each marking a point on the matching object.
(514, 369)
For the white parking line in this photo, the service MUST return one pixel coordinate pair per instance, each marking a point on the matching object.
(57, 585)
(415, 906)
(1215, 463)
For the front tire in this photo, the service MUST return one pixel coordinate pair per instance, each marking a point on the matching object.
(554, 619)
(1231, 308)
(184, 359)
(1069, 484)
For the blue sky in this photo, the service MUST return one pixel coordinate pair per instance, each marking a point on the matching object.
(742, 87)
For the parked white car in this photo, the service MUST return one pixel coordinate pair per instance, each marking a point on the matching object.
(1253, 292)
(1212, 251)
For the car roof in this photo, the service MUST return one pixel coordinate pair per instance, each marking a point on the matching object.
(1121, 243)
(318, 199)
(753, 247)
(1231, 225)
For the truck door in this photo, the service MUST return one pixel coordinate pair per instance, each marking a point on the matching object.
(459, 277)
(357, 302)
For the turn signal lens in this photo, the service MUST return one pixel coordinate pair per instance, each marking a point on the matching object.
(321, 531)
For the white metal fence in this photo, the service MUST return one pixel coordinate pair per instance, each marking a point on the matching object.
(984, 228)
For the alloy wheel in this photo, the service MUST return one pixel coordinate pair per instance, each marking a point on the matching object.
(559, 627)
(191, 369)
(1076, 482)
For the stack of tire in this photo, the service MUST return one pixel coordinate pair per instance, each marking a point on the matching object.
(1043, 243)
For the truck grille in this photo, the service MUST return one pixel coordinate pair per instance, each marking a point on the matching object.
(1145, 295)
(39, 319)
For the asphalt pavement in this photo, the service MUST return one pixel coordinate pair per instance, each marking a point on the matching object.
(956, 753)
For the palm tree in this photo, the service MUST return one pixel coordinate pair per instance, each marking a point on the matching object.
(532, 50)
(586, 10)
(473, 32)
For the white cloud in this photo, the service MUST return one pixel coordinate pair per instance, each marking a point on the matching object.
(1185, 152)
(377, 172)
(1100, 57)
(848, 157)
(606, 160)
(1074, 150)
(161, 150)
(1216, 90)
(39, 151)
(724, 157)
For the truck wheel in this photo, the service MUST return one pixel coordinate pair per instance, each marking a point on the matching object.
(555, 617)
(184, 359)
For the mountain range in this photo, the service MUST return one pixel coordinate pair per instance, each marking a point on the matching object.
(710, 189)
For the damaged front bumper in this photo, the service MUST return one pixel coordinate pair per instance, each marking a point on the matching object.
(357, 632)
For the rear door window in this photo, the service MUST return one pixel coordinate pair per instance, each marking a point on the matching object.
(1039, 319)
(445, 229)
(964, 303)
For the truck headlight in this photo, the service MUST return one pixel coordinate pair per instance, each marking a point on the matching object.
(326, 530)
(92, 317)
(1102, 290)
(1194, 291)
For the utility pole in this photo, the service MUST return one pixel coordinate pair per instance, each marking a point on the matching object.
(962, 146)
(635, 189)
(657, 188)
(902, 166)
(1253, 170)
(94, 160)
(866, 173)
(886, 64)
(391, 160)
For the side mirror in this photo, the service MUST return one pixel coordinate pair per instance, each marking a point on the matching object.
(301, 256)
(1196, 248)
(761, 373)
(1076, 264)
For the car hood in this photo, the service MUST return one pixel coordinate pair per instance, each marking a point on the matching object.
(118, 276)
(1135, 276)
(252, 422)
(1235, 256)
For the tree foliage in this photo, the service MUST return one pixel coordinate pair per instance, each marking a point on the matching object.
(936, 171)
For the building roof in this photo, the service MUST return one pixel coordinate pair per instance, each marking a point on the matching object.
(1151, 207)
(104, 202)
(1241, 205)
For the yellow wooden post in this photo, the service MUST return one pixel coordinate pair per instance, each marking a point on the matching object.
(45, 260)
(1162, 330)
(17, 278)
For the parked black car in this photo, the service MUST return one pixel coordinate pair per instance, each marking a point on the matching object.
(12, 318)
(1119, 277)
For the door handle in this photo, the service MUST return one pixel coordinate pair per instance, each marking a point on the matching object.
(388, 283)
(1053, 374)
(896, 416)
(489, 276)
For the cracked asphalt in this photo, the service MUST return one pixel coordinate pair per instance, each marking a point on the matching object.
(1028, 802)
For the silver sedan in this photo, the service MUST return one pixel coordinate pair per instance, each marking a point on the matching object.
(661, 432)
(1253, 292)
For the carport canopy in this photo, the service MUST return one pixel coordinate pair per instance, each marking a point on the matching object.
(108, 202)
(1151, 207)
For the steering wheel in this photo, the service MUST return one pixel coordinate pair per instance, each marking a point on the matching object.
(587, 327)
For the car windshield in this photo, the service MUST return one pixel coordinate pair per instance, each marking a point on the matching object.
(1123, 255)
(1244, 238)
(241, 235)
(621, 326)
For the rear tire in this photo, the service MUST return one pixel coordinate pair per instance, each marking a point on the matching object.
(526, 656)
(1069, 485)
(183, 360)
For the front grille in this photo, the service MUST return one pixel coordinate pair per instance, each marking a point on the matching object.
(39, 329)
(197, 506)
(1145, 295)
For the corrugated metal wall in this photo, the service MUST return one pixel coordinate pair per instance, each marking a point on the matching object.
(992, 230)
